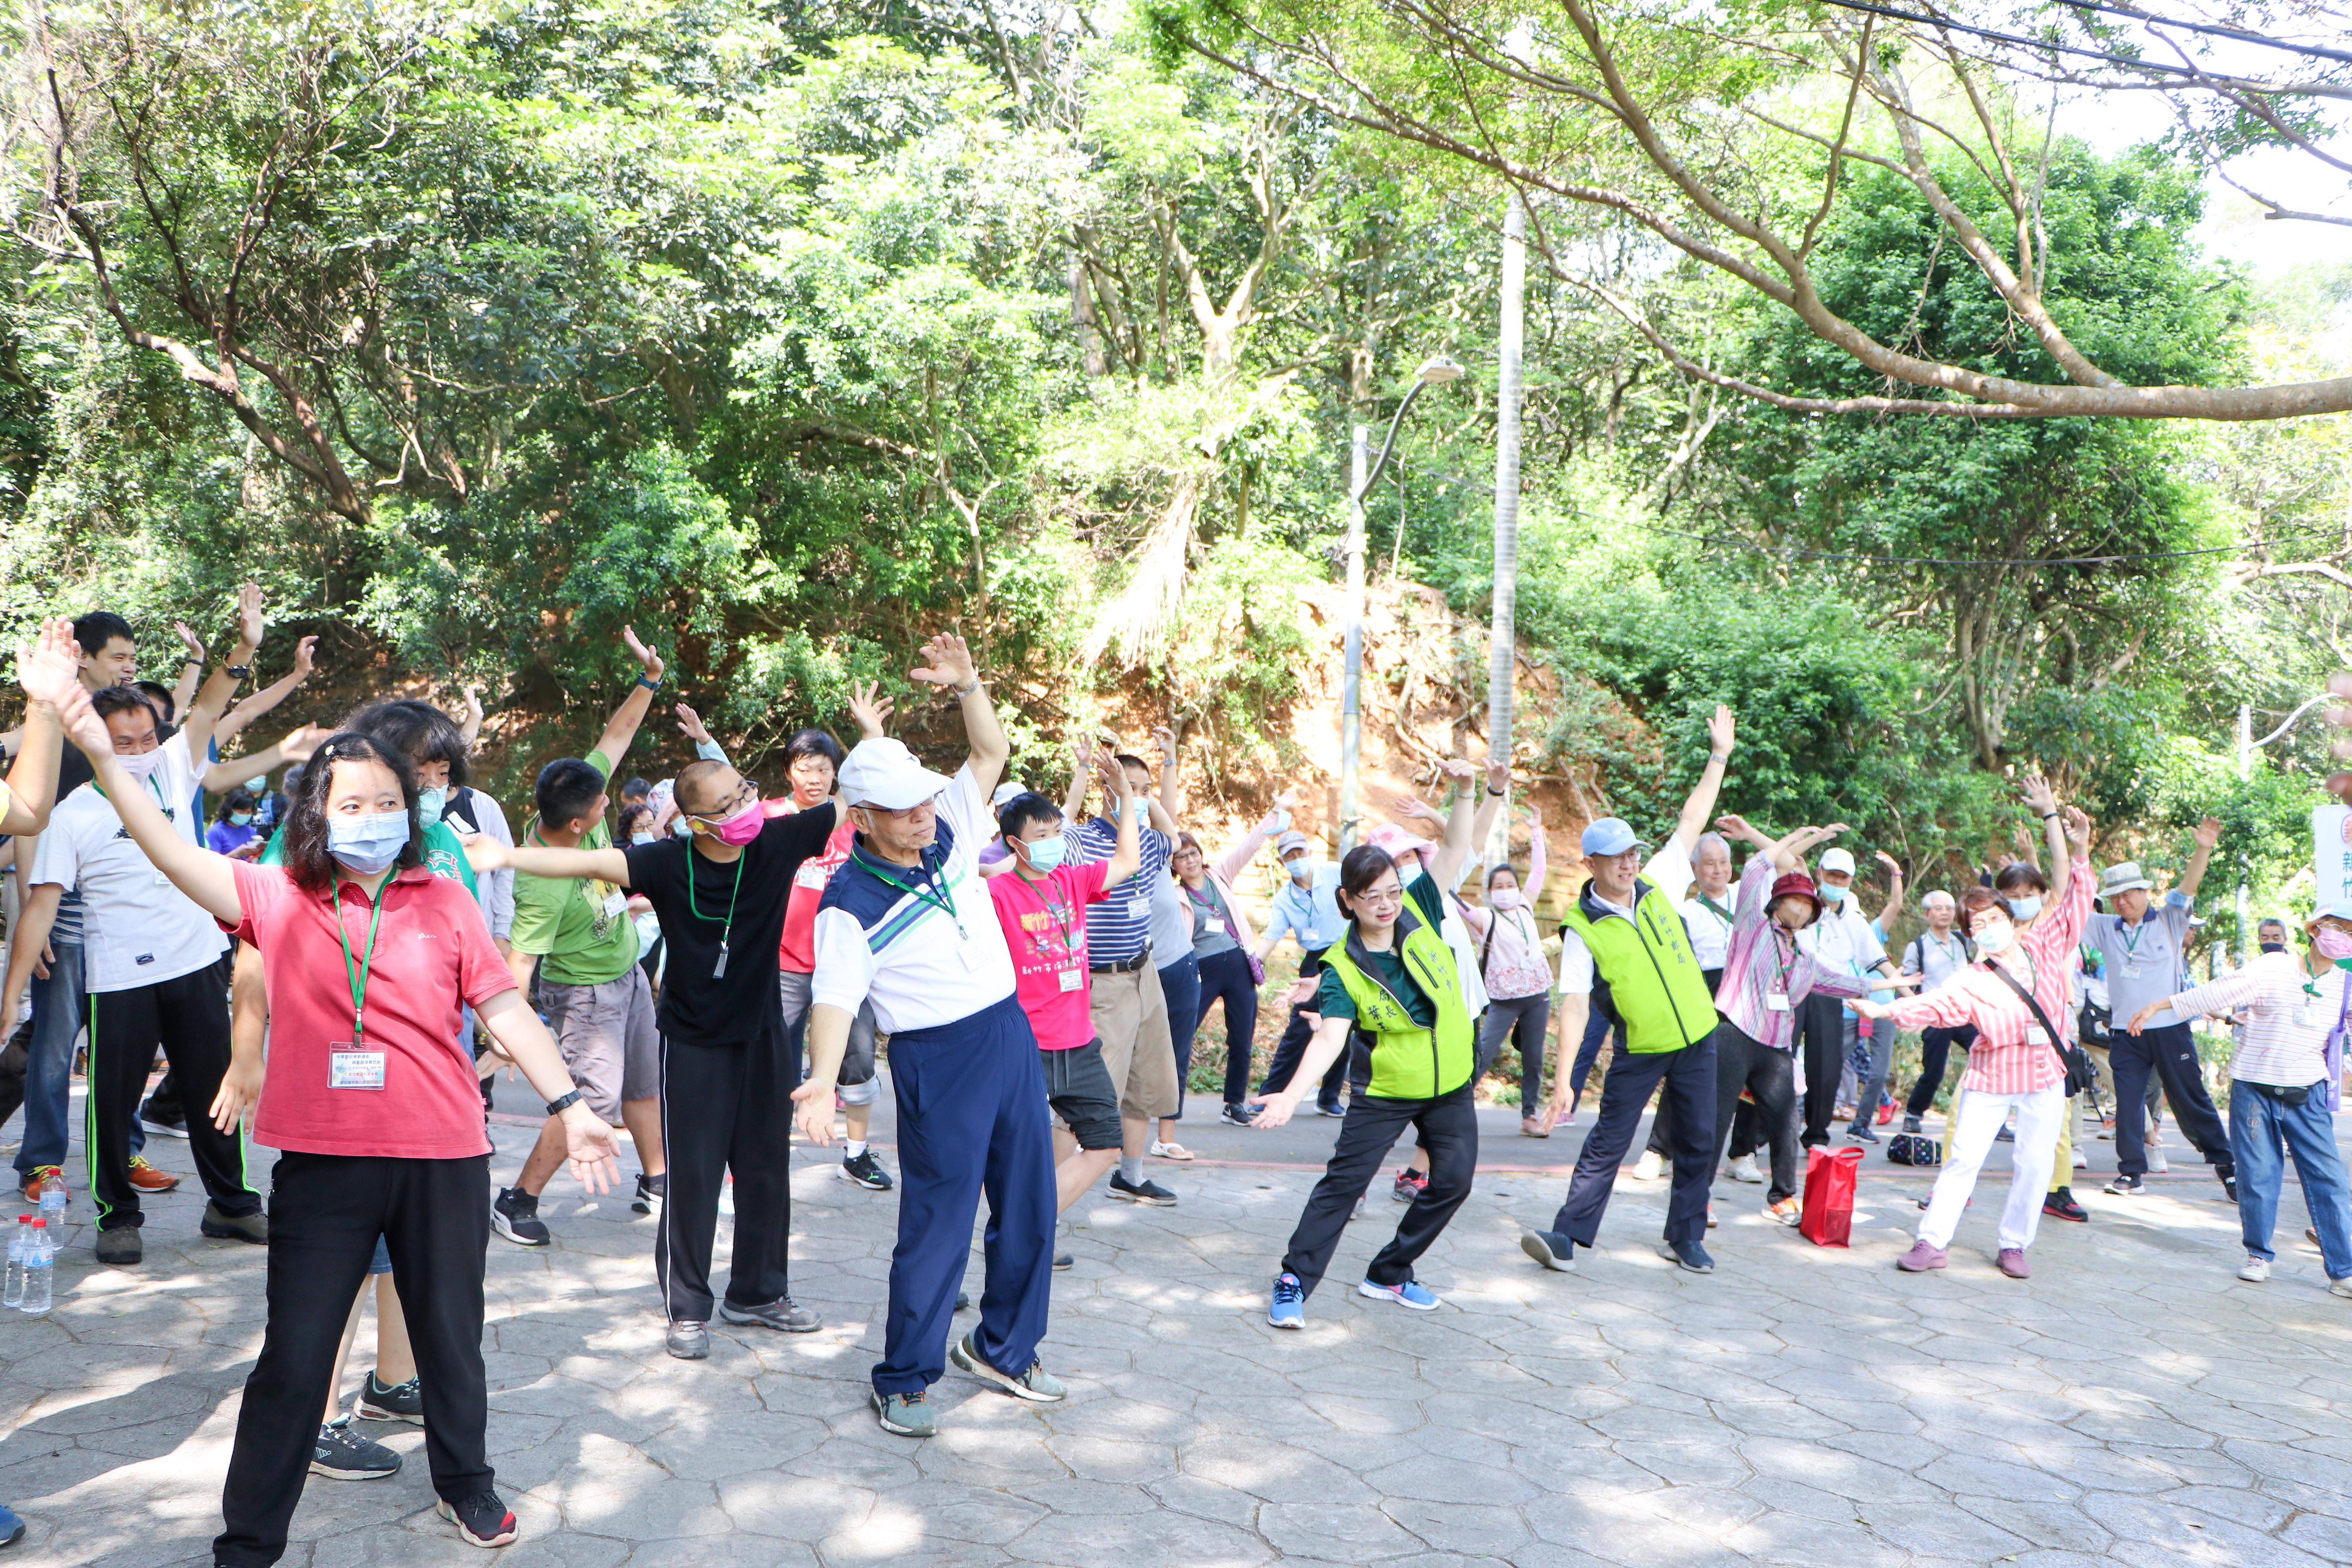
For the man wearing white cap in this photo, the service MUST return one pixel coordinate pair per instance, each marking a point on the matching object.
(1843, 940)
(907, 926)
(1624, 947)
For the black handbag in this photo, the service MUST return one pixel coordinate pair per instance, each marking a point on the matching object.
(1914, 1148)
(2081, 1073)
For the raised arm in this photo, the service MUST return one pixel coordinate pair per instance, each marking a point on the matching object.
(2208, 834)
(870, 708)
(947, 664)
(1538, 861)
(1127, 858)
(212, 699)
(204, 876)
(233, 722)
(53, 695)
(470, 728)
(485, 853)
(191, 667)
(1235, 861)
(622, 728)
(1171, 769)
(230, 772)
(1894, 891)
(2043, 801)
(1453, 851)
(1701, 804)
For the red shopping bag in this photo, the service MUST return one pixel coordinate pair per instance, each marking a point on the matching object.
(1829, 1195)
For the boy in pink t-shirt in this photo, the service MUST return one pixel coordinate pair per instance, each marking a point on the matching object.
(1041, 905)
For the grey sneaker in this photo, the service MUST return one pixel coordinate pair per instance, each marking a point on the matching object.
(121, 1247)
(253, 1227)
(1688, 1256)
(781, 1314)
(343, 1455)
(1063, 1260)
(689, 1341)
(1037, 1385)
(904, 1415)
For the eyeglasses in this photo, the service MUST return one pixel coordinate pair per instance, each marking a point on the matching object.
(899, 813)
(748, 795)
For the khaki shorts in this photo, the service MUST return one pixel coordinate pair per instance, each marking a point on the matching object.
(608, 1039)
(1131, 1018)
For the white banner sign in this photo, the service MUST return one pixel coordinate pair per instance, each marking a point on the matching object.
(2331, 855)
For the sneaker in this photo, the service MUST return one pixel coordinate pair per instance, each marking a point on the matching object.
(515, 1215)
(2082, 1162)
(2339, 1287)
(1036, 1385)
(162, 1120)
(866, 1171)
(395, 1402)
(1886, 1114)
(2013, 1263)
(2156, 1162)
(1860, 1134)
(2230, 1185)
(12, 1528)
(782, 1314)
(2006, 1134)
(1332, 1109)
(2126, 1188)
(1357, 1212)
(1148, 1193)
(1409, 1184)
(688, 1339)
(1169, 1151)
(253, 1227)
(1649, 1166)
(343, 1455)
(1910, 1124)
(36, 1176)
(119, 1247)
(1711, 1221)
(2256, 1269)
(1237, 1115)
(963, 1302)
(652, 1193)
(1688, 1256)
(1409, 1294)
(903, 1414)
(1531, 1128)
(1923, 1255)
(482, 1520)
(1288, 1309)
(1744, 1169)
(148, 1179)
(1788, 1211)
(2060, 1203)
(1063, 1260)
(1549, 1249)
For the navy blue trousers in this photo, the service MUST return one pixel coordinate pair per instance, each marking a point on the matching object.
(972, 1119)
(1688, 1076)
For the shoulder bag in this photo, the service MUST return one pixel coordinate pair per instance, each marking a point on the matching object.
(2073, 1060)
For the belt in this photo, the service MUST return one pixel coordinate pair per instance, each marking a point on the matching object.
(1129, 967)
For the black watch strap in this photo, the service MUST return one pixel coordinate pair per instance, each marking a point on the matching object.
(562, 1103)
(239, 671)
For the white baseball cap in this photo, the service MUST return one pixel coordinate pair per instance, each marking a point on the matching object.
(883, 772)
(1838, 861)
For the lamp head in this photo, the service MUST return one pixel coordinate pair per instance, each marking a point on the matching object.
(1439, 370)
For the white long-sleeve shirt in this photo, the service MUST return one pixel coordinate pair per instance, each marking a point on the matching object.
(2289, 1015)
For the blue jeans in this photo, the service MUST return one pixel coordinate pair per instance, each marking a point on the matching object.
(2257, 1125)
(60, 1008)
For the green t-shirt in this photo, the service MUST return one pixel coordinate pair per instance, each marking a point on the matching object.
(445, 855)
(579, 929)
(1333, 1001)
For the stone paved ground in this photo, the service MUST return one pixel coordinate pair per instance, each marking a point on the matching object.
(2132, 1404)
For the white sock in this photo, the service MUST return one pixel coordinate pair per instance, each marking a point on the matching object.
(852, 1147)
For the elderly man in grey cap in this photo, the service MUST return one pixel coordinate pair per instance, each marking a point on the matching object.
(1306, 907)
(2144, 947)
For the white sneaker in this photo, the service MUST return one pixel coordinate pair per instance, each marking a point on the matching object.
(2256, 1270)
(2082, 1161)
(2156, 1161)
(2339, 1287)
(1649, 1166)
(1744, 1169)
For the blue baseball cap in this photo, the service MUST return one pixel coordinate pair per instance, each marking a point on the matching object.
(2340, 909)
(1611, 835)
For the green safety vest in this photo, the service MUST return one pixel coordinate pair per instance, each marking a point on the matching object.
(1649, 981)
(1408, 1062)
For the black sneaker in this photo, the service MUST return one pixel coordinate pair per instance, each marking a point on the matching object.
(481, 1519)
(1549, 1249)
(1148, 1193)
(121, 1247)
(1063, 1260)
(2126, 1187)
(515, 1215)
(866, 1171)
(2005, 1135)
(1910, 1124)
(2230, 1185)
(253, 1227)
(396, 1402)
(343, 1455)
(782, 1314)
(1688, 1256)
(2061, 1204)
(162, 1120)
(652, 1193)
(1238, 1115)
(1862, 1134)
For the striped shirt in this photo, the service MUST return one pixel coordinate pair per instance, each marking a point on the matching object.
(1762, 960)
(2010, 1057)
(1119, 928)
(2289, 1015)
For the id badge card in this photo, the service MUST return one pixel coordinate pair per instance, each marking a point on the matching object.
(348, 1068)
(1139, 907)
(2131, 971)
(1776, 1002)
(615, 904)
(2304, 1018)
(1070, 979)
(2035, 1034)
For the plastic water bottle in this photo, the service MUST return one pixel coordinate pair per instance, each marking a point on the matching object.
(14, 1296)
(53, 1200)
(39, 1265)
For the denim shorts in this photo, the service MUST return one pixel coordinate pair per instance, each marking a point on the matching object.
(381, 1262)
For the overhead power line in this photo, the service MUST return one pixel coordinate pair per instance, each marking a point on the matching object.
(2047, 46)
(2239, 35)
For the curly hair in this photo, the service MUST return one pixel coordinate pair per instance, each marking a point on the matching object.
(308, 862)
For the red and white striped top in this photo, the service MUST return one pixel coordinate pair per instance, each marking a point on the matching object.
(2005, 1059)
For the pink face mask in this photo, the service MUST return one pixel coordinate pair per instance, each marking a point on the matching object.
(2334, 945)
(743, 827)
(1506, 898)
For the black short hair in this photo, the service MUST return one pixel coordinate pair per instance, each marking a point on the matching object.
(99, 628)
(417, 730)
(238, 799)
(1365, 863)
(636, 790)
(109, 700)
(308, 860)
(2021, 874)
(1130, 759)
(691, 780)
(813, 743)
(1023, 809)
(567, 789)
(167, 706)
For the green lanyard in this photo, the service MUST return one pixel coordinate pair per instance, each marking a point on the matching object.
(1715, 908)
(1777, 962)
(734, 896)
(2131, 935)
(358, 975)
(152, 788)
(922, 893)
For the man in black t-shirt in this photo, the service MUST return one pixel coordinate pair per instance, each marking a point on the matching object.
(720, 895)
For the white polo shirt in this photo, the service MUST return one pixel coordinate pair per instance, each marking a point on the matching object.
(137, 928)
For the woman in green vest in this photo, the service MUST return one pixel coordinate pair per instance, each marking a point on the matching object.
(1391, 984)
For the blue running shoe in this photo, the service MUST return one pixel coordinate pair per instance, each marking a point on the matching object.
(1409, 1294)
(1289, 1307)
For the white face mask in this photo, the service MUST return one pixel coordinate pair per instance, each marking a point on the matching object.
(142, 766)
(1300, 870)
(2025, 908)
(1995, 937)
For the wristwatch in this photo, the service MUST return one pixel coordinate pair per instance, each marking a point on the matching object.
(966, 689)
(649, 685)
(240, 671)
(562, 1103)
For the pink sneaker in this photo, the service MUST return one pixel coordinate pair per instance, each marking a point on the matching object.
(2013, 1263)
(1924, 1255)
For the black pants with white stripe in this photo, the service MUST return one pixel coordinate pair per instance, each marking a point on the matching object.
(725, 1107)
(189, 1018)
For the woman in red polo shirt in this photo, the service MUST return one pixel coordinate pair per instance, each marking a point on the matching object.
(368, 958)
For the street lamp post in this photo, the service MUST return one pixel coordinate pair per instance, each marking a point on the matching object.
(2247, 747)
(1360, 481)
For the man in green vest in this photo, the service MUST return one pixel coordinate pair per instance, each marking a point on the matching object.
(1624, 949)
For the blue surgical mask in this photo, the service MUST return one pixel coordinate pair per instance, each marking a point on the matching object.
(1300, 870)
(367, 845)
(430, 802)
(240, 817)
(1043, 854)
(2024, 909)
(642, 838)
(1831, 895)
